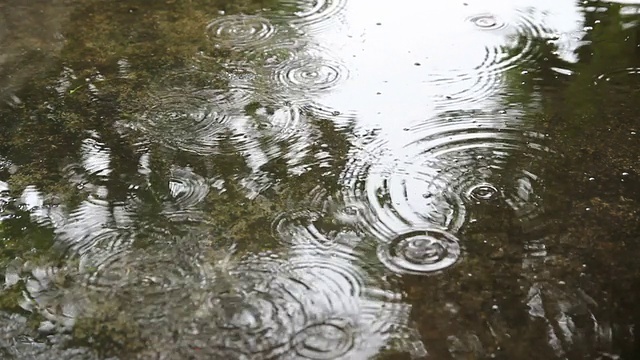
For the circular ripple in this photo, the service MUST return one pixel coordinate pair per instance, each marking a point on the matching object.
(258, 311)
(190, 122)
(310, 74)
(487, 22)
(329, 339)
(187, 188)
(312, 15)
(482, 192)
(450, 165)
(274, 54)
(420, 252)
(465, 86)
(240, 31)
(324, 224)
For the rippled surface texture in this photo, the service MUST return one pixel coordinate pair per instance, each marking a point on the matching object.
(319, 179)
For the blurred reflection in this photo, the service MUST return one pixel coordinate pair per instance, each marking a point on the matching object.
(317, 179)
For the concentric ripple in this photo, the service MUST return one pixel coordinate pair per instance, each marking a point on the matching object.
(310, 74)
(329, 339)
(189, 122)
(258, 311)
(420, 252)
(324, 224)
(452, 165)
(187, 188)
(487, 21)
(516, 43)
(240, 31)
(312, 15)
(274, 54)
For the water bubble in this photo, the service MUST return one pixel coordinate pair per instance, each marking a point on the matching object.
(487, 22)
(323, 224)
(483, 192)
(240, 31)
(420, 252)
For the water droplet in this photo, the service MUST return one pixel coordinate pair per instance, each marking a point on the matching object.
(487, 22)
(483, 192)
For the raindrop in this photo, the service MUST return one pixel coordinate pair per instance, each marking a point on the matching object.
(420, 252)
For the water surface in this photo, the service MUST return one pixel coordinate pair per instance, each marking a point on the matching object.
(319, 179)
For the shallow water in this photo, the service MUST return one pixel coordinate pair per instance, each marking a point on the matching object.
(328, 179)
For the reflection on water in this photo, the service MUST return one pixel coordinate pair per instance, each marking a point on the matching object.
(337, 179)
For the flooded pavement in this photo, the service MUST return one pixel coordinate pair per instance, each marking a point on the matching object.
(319, 179)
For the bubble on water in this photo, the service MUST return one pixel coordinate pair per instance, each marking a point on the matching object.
(420, 252)
(240, 31)
(482, 192)
(487, 21)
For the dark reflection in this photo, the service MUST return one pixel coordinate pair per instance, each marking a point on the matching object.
(176, 182)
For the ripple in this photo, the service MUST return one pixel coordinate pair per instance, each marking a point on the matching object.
(520, 36)
(274, 54)
(420, 252)
(189, 122)
(144, 272)
(312, 15)
(487, 21)
(310, 75)
(96, 157)
(259, 312)
(187, 188)
(329, 339)
(324, 223)
(482, 192)
(240, 31)
(101, 247)
(451, 165)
